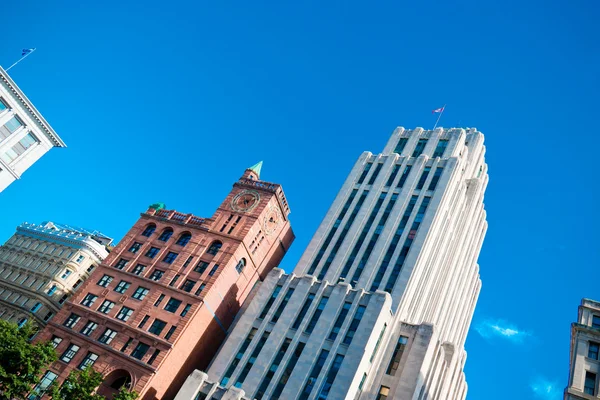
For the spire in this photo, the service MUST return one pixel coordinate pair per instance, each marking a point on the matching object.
(256, 168)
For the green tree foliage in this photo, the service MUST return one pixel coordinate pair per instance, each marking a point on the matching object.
(125, 395)
(21, 362)
(79, 385)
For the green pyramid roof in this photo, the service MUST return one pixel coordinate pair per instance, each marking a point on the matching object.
(256, 168)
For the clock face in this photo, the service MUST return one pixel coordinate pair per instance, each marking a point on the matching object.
(245, 201)
(272, 220)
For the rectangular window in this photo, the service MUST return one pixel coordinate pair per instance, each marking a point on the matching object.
(274, 295)
(157, 327)
(375, 174)
(590, 383)
(68, 355)
(9, 127)
(289, 368)
(124, 313)
(440, 148)
(159, 300)
(188, 285)
(143, 322)
(315, 317)
(335, 367)
(72, 320)
(596, 322)
(107, 336)
(152, 252)
(52, 290)
(3, 105)
(122, 287)
(88, 361)
(172, 305)
(185, 310)
(339, 321)
(201, 267)
(593, 350)
(135, 247)
(174, 280)
(314, 375)
(392, 177)
(28, 140)
(213, 270)
(400, 146)
(397, 356)
(89, 328)
(153, 356)
(378, 342)
(89, 300)
(40, 388)
(56, 341)
(122, 263)
(303, 311)
(435, 179)
(272, 369)
(170, 257)
(139, 269)
(238, 357)
(127, 344)
(200, 289)
(281, 307)
(419, 147)
(140, 350)
(36, 307)
(354, 325)
(140, 293)
(187, 262)
(170, 332)
(65, 274)
(384, 392)
(106, 306)
(157, 274)
(423, 178)
(252, 359)
(48, 316)
(362, 177)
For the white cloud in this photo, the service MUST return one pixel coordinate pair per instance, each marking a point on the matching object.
(544, 389)
(498, 328)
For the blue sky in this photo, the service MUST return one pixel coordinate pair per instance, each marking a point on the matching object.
(171, 101)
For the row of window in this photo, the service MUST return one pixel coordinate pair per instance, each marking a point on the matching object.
(407, 169)
(166, 234)
(23, 301)
(420, 146)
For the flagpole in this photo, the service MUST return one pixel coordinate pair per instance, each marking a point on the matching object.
(21, 59)
(439, 116)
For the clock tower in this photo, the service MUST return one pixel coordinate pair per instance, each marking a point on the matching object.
(161, 303)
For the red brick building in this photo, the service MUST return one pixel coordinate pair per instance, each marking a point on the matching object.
(159, 305)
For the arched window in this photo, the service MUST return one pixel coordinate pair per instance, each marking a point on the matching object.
(184, 239)
(149, 230)
(214, 247)
(240, 265)
(166, 234)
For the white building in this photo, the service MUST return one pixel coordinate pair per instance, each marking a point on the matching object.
(42, 265)
(585, 347)
(25, 135)
(380, 303)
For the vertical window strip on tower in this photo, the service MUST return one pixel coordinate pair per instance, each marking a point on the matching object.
(289, 368)
(419, 147)
(314, 375)
(265, 310)
(337, 223)
(238, 357)
(363, 235)
(252, 360)
(400, 146)
(397, 356)
(340, 321)
(405, 249)
(362, 177)
(440, 148)
(272, 369)
(404, 176)
(435, 179)
(423, 178)
(392, 247)
(303, 311)
(379, 339)
(367, 253)
(281, 307)
(337, 363)
(392, 177)
(342, 236)
(375, 174)
(354, 325)
(315, 317)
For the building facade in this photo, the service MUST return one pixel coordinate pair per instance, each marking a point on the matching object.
(25, 135)
(161, 303)
(584, 364)
(41, 266)
(379, 305)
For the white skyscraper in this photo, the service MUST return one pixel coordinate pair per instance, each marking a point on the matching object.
(380, 303)
(25, 135)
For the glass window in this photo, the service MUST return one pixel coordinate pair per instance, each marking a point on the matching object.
(166, 235)
(138, 269)
(423, 178)
(314, 375)
(315, 317)
(289, 368)
(56, 341)
(188, 285)
(122, 263)
(201, 267)
(238, 356)
(593, 350)
(419, 147)
(3, 105)
(378, 342)
(340, 321)
(140, 350)
(80, 259)
(184, 239)
(68, 355)
(149, 230)
(240, 265)
(174, 280)
(282, 305)
(333, 370)
(170, 332)
(52, 290)
(440, 148)
(157, 327)
(36, 307)
(135, 247)
(354, 324)
(88, 361)
(122, 287)
(172, 305)
(200, 289)
(384, 392)
(153, 356)
(400, 146)
(270, 302)
(271, 372)
(144, 320)
(596, 322)
(188, 261)
(214, 247)
(397, 356)
(106, 306)
(170, 257)
(72, 320)
(152, 252)
(303, 311)
(435, 179)
(124, 313)
(159, 300)
(375, 174)
(66, 274)
(362, 177)
(89, 328)
(392, 176)
(140, 293)
(590, 383)
(157, 274)
(213, 270)
(13, 124)
(252, 359)
(107, 336)
(41, 387)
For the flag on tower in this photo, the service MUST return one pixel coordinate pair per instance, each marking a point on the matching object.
(438, 110)
(26, 51)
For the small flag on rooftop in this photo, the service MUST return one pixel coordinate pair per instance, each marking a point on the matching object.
(26, 51)
(24, 54)
(438, 110)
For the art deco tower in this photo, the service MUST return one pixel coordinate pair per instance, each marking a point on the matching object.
(380, 303)
(160, 304)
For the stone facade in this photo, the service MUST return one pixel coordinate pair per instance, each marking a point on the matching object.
(161, 303)
(380, 303)
(42, 265)
(25, 136)
(584, 367)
